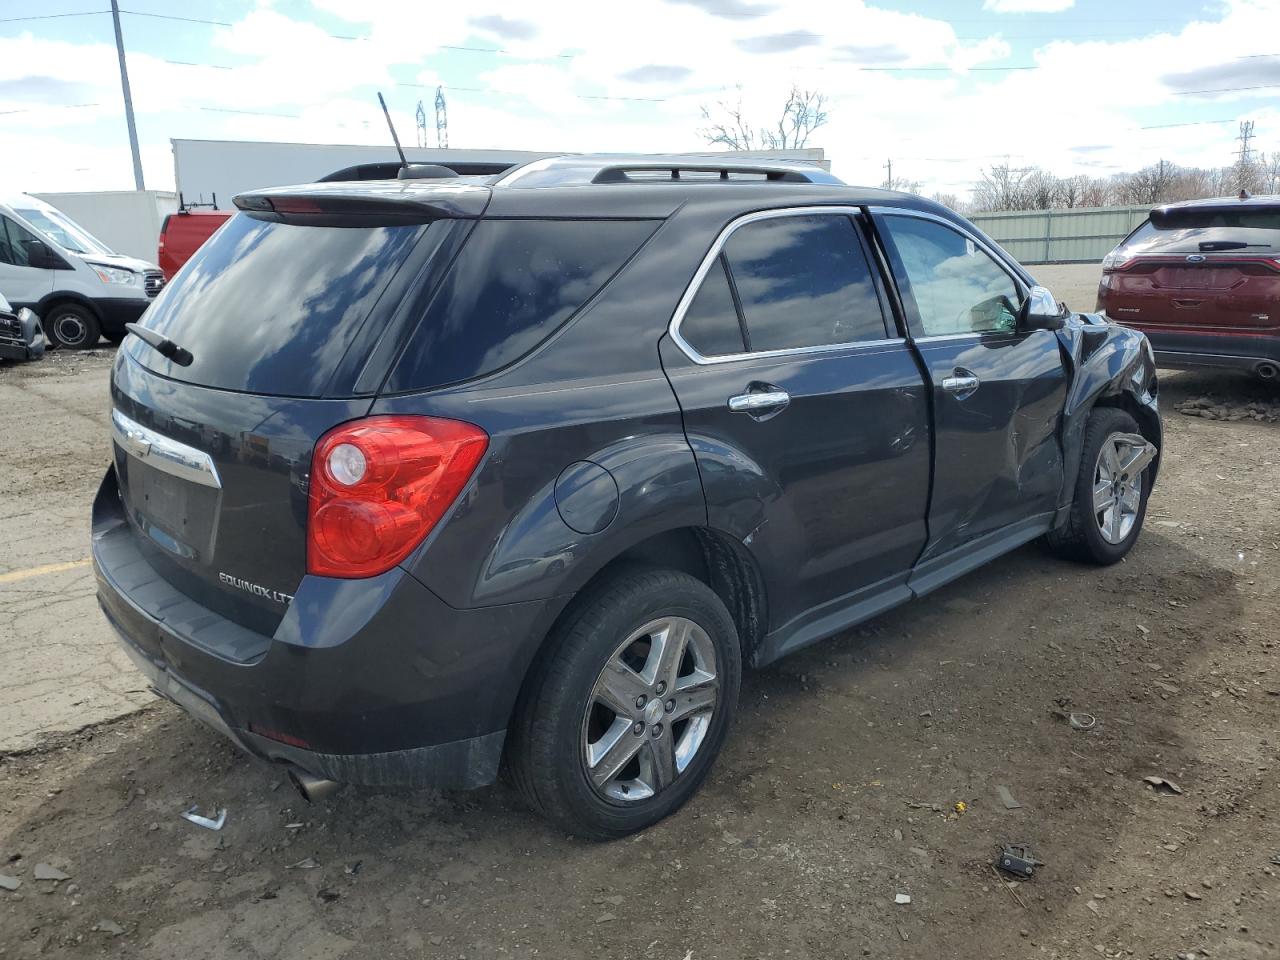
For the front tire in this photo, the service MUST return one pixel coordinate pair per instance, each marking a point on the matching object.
(71, 326)
(631, 703)
(1111, 491)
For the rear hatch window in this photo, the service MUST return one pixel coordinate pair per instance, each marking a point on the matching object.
(272, 308)
(1191, 231)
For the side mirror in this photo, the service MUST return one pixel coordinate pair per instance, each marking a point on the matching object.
(41, 257)
(1041, 311)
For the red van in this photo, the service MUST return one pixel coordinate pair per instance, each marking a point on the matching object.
(182, 233)
(1202, 280)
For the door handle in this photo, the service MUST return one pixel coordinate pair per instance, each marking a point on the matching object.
(959, 385)
(763, 400)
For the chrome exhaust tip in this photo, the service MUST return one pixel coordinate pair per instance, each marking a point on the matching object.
(1267, 370)
(310, 787)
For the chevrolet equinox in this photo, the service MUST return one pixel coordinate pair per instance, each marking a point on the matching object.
(416, 477)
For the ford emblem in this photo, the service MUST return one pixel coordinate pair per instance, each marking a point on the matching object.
(1196, 258)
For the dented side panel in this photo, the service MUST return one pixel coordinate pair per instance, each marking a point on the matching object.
(1108, 364)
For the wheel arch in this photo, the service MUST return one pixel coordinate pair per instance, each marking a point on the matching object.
(708, 555)
(58, 297)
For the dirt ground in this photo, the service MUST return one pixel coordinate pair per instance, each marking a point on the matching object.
(838, 790)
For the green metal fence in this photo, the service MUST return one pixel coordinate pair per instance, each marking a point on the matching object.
(1060, 236)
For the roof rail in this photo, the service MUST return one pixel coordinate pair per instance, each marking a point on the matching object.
(620, 173)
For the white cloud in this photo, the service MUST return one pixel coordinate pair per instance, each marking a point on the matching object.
(1080, 110)
(1027, 6)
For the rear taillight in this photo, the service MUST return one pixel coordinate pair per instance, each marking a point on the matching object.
(1115, 260)
(379, 486)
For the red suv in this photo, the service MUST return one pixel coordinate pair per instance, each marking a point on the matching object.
(1202, 280)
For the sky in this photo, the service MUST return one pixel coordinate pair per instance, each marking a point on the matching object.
(942, 88)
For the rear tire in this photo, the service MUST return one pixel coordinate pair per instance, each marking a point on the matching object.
(615, 648)
(71, 326)
(1100, 536)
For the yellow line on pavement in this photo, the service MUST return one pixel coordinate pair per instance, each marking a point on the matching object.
(15, 575)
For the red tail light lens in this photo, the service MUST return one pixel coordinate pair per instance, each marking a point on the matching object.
(379, 485)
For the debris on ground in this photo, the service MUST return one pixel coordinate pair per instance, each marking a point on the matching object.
(108, 926)
(1162, 785)
(1211, 408)
(902, 898)
(1017, 858)
(9, 883)
(45, 872)
(1007, 798)
(209, 823)
(307, 863)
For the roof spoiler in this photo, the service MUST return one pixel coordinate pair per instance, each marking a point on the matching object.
(383, 203)
(389, 170)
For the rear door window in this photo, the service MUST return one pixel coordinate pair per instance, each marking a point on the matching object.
(513, 285)
(271, 308)
(804, 281)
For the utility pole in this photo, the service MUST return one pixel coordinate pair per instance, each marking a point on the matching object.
(128, 99)
(888, 181)
(420, 118)
(1244, 166)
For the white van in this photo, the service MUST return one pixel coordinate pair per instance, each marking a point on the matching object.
(80, 289)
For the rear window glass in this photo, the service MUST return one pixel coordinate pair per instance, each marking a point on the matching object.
(513, 285)
(1192, 231)
(272, 307)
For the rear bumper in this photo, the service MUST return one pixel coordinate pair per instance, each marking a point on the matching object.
(376, 682)
(1182, 349)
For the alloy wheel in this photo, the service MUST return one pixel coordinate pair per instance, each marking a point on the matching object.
(650, 710)
(1117, 484)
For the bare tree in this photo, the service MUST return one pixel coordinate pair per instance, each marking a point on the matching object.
(1001, 188)
(1269, 173)
(727, 124)
(901, 184)
(1151, 184)
(948, 200)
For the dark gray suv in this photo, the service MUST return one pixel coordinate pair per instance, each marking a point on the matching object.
(415, 475)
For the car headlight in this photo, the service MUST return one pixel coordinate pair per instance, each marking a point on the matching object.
(116, 275)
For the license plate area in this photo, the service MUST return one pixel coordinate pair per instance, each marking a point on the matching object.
(177, 515)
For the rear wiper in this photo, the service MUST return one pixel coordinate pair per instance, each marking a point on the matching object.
(1210, 245)
(165, 346)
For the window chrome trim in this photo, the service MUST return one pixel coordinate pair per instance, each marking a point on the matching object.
(163, 453)
(691, 291)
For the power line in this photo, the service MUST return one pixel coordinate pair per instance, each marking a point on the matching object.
(54, 16)
(1261, 86)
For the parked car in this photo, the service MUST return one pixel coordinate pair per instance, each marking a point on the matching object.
(181, 235)
(1202, 280)
(413, 475)
(20, 337)
(78, 286)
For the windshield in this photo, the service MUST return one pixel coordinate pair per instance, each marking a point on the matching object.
(64, 231)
